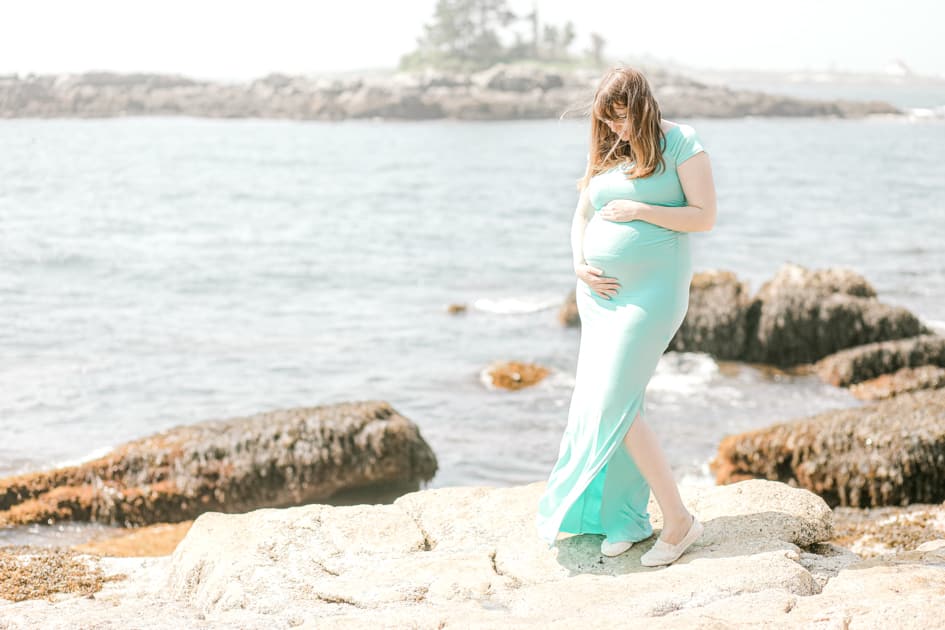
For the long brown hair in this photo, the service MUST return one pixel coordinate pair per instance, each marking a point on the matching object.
(626, 88)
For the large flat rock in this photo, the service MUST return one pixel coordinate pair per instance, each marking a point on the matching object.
(469, 557)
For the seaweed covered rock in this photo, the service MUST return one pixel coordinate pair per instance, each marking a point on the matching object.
(568, 313)
(907, 379)
(886, 453)
(800, 316)
(854, 365)
(270, 459)
(716, 321)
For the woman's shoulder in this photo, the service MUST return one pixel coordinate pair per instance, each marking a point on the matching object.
(681, 136)
(683, 128)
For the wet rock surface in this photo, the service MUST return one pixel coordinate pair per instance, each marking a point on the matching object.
(903, 380)
(513, 375)
(568, 314)
(854, 365)
(873, 532)
(717, 319)
(277, 458)
(802, 315)
(821, 282)
(886, 453)
(33, 572)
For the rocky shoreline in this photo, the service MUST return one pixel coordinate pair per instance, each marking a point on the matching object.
(502, 92)
(837, 518)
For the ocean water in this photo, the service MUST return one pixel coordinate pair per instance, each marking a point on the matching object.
(161, 271)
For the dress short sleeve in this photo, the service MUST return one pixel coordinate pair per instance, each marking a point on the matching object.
(688, 145)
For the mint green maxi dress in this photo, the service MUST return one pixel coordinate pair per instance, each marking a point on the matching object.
(595, 487)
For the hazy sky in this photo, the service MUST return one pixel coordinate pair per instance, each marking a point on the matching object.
(240, 39)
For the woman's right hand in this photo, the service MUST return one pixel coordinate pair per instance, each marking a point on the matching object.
(602, 285)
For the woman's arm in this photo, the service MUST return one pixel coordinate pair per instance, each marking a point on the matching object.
(582, 214)
(695, 175)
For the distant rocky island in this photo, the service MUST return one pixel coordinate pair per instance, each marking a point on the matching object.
(501, 92)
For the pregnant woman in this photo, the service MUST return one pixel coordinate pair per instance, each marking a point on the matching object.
(648, 184)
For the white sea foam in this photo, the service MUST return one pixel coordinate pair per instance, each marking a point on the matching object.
(515, 306)
(938, 325)
(95, 454)
(925, 113)
(684, 372)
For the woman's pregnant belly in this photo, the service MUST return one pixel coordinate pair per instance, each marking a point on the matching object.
(603, 238)
(652, 263)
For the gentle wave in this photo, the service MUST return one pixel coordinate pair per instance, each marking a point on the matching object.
(515, 306)
(95, 454)
(925, 113)
(938, 325)
(684, 373)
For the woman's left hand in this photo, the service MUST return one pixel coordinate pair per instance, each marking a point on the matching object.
(621, 210)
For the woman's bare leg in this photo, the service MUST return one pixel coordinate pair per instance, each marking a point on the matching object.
(644, 448)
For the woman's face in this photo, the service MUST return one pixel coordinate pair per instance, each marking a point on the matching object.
(621, 126)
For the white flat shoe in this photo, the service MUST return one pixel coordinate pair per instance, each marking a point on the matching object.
(615, 548)
(665, 553)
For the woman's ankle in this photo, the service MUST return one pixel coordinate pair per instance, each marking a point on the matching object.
(679, 522)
